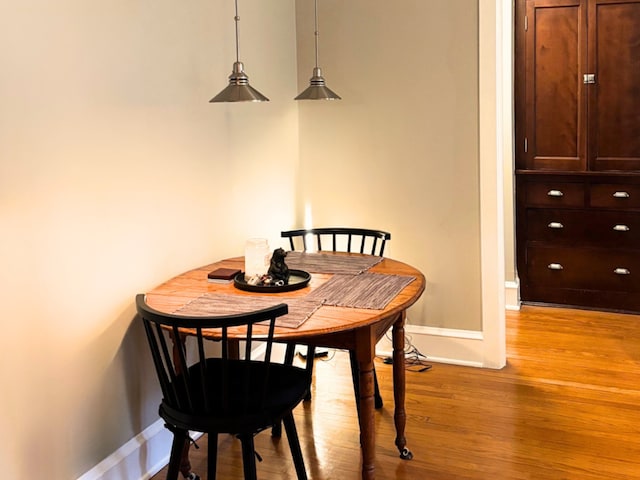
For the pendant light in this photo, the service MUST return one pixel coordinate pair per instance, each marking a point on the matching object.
(317, 90)
(238, 89)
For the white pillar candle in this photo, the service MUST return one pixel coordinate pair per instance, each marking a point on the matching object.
(256, 258)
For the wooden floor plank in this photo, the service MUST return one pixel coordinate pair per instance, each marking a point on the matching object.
(567, 406)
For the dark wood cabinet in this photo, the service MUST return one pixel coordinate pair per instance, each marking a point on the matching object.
(577, 97)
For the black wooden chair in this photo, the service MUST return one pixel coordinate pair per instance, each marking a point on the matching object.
(340, 239)
(216, 393)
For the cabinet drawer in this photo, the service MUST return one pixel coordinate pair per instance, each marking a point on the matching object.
(584, 268)
(554, 194)
(611, 195)
(584, 227)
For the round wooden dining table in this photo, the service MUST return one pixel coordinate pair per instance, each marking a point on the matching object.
(331, 326)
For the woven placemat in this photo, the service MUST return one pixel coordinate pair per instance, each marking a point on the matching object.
(368, 290)
(300, 309)
(327, 263)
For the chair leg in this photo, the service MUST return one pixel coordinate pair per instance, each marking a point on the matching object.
(248, 457)
(276, 429)
(289, 353)
(355, 374)
(212, 456)
(294, 445)
(288, 359)
(311, 356)
(180, 442)
(378, 398)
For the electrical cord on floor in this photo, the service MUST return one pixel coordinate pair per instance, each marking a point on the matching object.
(322, 355)
(414, 360)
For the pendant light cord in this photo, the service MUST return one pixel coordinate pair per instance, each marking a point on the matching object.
(237, 20)
(317, 31)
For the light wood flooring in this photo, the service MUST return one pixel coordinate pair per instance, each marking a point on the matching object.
(567, 406)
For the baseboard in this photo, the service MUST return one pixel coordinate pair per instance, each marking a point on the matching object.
(442, 345)
(512, 295)
(139, 459)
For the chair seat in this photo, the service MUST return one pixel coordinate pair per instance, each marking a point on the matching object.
(242, 411)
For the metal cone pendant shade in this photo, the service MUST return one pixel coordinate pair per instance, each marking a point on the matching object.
(238, 89)
(317, 90)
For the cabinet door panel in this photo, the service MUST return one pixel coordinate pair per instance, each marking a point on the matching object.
(614, 100)
(555, 60)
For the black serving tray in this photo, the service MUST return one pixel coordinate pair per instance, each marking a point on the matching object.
(297, 279)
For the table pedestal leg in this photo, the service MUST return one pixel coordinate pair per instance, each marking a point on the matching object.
(399, 385)
(367, 419)
(364, 353)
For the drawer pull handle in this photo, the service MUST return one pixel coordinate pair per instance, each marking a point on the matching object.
(621, 195)
(622, 271)
(554, 266)
(555, 193)
(555, 225)
(621, 228)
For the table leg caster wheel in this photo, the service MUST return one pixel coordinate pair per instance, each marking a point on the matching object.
(406, 454)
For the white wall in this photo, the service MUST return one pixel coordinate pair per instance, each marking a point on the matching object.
(115, 174)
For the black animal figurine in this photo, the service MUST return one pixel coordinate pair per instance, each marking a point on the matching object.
(278, 270)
